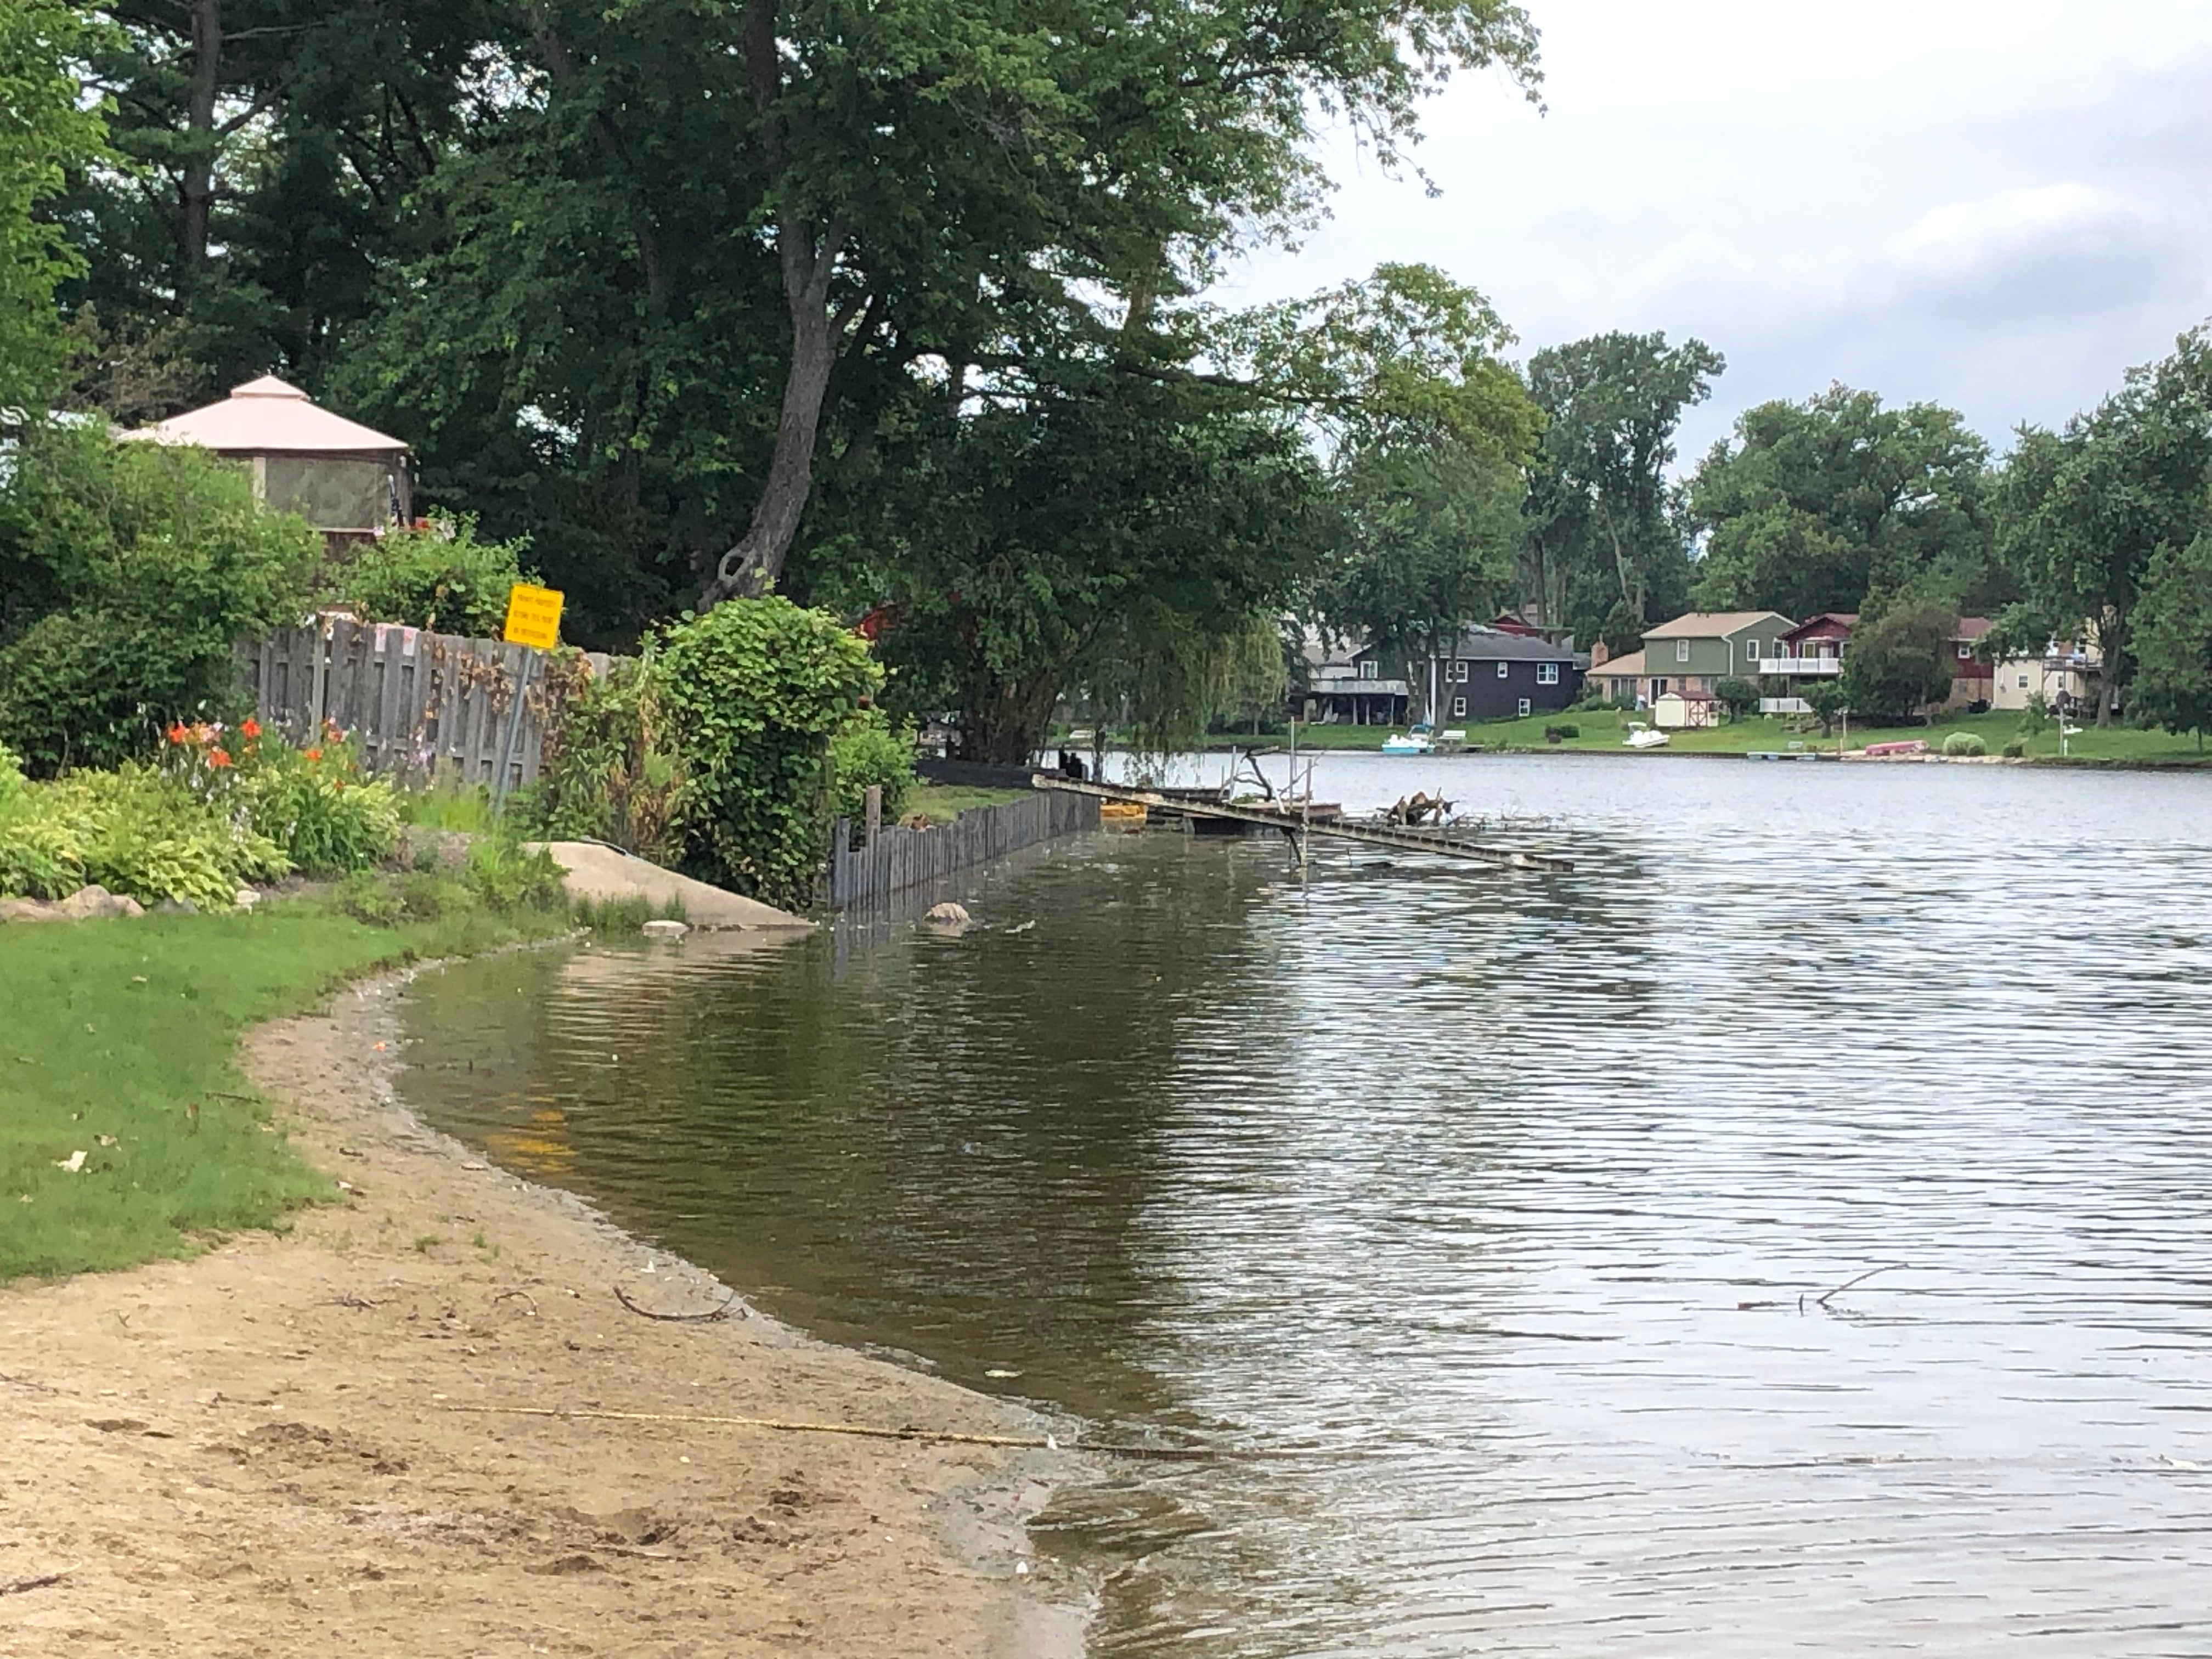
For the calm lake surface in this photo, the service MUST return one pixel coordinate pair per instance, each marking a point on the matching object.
(1493, 1197)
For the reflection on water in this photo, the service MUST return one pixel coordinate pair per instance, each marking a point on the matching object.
(1494, 1198)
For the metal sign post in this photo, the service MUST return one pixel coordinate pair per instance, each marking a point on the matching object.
(533, 622)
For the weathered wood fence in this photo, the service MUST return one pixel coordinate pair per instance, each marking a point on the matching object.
(898, 860)
(424, 707)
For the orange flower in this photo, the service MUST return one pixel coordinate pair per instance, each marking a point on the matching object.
(314, 754)
(176, 732)
(250, 729)
(218, 757)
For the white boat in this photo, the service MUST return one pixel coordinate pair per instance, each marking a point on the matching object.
(1409, 743)
(1641, 736)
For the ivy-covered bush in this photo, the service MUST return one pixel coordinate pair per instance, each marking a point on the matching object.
(754, 691)
(442, 578)
(128, 573)
(1963, 743)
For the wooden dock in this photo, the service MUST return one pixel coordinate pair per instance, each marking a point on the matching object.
(1399, 838)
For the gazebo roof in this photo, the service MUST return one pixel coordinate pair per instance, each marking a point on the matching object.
(267, 416)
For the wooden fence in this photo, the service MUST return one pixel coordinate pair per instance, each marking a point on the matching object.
(899, 859)
(424, 707)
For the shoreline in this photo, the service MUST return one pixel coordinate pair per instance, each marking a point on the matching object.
(263, 1447)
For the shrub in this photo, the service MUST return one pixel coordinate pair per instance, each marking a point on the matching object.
(132, 571)
(754, 690)
(440, 578)
(133, 831)
(315, 804)
(1742, 696)
(1561, 734)
(1963, 743)
(612, 773)
(504, 878)
(870, 751)
(2016, 750)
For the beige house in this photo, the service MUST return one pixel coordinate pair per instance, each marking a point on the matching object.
(2068, 674)
(346, 479)
(1619, 679)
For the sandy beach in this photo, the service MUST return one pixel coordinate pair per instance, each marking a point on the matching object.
(300, 1445)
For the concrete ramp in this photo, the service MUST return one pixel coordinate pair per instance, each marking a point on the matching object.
(606, 873)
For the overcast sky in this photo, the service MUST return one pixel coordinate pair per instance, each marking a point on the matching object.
(1998, 205)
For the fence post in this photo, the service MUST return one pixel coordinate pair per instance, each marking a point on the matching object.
(874, 799)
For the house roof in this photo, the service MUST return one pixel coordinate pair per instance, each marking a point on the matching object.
(1491, 644)
(1712, 624)
(1688, 697)
(269, 415)
(1841, 618)
(1972, 628)
(1630, 667)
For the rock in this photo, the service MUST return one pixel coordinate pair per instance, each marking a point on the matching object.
(247, 898)
(666, 930)
(91, 903)
(176, 907)
(29, 910)
(947, 914)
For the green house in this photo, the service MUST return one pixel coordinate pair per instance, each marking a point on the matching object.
(1693, 653)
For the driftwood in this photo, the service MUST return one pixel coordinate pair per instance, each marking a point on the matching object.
(39, 1582)
(681, 1318)
(1823, 1301)
(1421, 807)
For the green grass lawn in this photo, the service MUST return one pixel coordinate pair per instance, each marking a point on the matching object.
(944, 802)
(1605, 729)
(112, 1034)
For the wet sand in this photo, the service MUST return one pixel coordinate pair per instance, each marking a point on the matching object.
(263, 1451)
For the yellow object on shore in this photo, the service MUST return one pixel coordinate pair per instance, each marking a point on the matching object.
(1122, 815)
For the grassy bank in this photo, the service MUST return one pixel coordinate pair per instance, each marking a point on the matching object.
(1605, 729)
(943, 802)
(118, 1042)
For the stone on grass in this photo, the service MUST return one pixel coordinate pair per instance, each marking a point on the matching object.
(90, 903)
(247, 898)
(666, 929)
(947, 914)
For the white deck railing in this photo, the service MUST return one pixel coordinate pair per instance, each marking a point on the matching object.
(1800, 665)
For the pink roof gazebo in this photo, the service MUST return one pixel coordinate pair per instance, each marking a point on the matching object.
(346, 479)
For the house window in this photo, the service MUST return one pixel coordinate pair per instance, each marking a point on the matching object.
(1751, 650)
(2023, 682)
(1504, 669)
(1525, 707)
(1460, 669)
(1459, 708)
(1548, 673)
(1682, 651)
(1369, 671)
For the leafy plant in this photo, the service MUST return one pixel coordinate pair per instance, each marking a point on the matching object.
(1829, 701)
(504, 878)
(133, 831)
(870, 751)
(2016, 750)
(1963, 744)
(1742, 696)
(754, 689)
(442, 578)
(316, 803)
(612, 773)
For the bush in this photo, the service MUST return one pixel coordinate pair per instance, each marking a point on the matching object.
(2016, 750)
(754, 691)
(1561, 734)
(130, 571)
(870, 751)
(440, 578)
(1963, 743)
(133, 831)
(504, 877)
(612, 773)
(316, 803)
(1742, 696)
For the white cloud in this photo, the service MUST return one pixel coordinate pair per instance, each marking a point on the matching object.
(1996, 203)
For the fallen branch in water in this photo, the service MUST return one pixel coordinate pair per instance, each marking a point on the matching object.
(1823, 1301)
(681, 1319)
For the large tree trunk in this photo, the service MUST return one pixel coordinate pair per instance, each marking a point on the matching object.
(196, 190)
(809, 256)
(2112, 647)
(1005, 723)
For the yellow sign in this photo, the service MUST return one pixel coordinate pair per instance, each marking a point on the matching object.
(533, 616)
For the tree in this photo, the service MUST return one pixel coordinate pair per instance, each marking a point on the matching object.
(44, 131)
(2088, 509)
(1742, 696)
(1829, 701)
(1599, 529)
(2173, 639)
(1837, 502)
(1900, 662)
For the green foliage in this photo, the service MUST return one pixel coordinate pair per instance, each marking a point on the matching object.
(1817, 506)
(1963, 743)
(133, 831)
(504, 877)
(2173, 639)
(128, 573)
(2016, 750)
(870, 751)
(627, 913)
(45, 131)
(614, 772)
(1900, 662)
(1742, 696)
(442, 578)
(2035, 716)
(319, 806)
(1829, 700)
(754, 690)
(1602, 539)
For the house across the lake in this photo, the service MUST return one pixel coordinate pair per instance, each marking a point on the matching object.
(1490, 674)
(1347, 684)
(1813, 650)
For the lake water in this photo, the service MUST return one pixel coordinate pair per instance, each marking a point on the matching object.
(1489, 1214)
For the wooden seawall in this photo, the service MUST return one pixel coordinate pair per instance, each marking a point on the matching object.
(900, 860)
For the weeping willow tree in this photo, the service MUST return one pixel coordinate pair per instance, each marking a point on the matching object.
(1168, 681)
